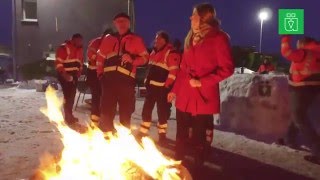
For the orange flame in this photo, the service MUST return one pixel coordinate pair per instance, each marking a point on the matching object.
(89, 156)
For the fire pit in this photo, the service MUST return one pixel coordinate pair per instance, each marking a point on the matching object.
(90, 156)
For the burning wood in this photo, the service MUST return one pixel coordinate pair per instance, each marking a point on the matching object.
(90, 156)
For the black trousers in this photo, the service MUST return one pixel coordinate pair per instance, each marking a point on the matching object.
(193, 131)
(69, 90)
(301, 98)
(156, 95)
(117, 89)
(95, 88)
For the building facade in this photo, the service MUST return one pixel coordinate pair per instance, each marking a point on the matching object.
(42, 25)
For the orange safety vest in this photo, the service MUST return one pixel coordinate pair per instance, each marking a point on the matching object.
(305, 65)
(163, 67)
(69, 59)
(109, 57)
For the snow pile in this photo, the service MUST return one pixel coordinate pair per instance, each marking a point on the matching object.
(245, 70)
(255, 105)
(38, 84)
(29, 84)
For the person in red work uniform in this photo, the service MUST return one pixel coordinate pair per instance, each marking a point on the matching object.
(69, 62)
(206, 61)
(117, 60)
(304, 86)
(92, 77)
(163, 67)
(266, 67)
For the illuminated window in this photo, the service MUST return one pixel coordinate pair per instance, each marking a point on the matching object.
(29, 10)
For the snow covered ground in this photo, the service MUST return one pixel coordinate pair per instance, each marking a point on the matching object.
(25, 134)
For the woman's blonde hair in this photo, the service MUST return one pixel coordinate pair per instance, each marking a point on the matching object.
(207, 15)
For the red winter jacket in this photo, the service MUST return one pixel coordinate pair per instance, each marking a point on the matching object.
(209, 61)
(305, 63)
(92, 52)
(69, 59)
(266, 68)
(114, 46)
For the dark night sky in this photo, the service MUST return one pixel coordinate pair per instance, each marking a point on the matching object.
(239, 19)
(5, 22)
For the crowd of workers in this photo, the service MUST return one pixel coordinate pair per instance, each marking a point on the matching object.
(191, 79)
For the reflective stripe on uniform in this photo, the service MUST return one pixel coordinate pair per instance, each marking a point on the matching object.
(71, 61)
(171, 76)
(304, 83)
(110, 55)
(166, 56)
(145, 127)
(161, 65)
(162, 131)
(59, 66)
(119, 69)
(162, 126)
(92, 67)
(155, 83)
(72, 69)
(68, 50)
(59, 59)
(101, 54)
(143, 130)
(173, 67)
(146, 124)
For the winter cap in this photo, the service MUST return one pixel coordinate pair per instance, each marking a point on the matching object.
(121, 15)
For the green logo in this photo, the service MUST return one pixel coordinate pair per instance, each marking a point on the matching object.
(291, 21)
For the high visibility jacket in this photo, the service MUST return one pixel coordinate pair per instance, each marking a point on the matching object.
(69, 59)
(266, 68)
(92, 52)
(305, 64)
(113, 47)
(163, 67)
(210, 62)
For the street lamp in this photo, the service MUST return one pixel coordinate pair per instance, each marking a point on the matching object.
(264, 15)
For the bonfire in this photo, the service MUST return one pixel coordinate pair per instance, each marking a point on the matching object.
(90, 156)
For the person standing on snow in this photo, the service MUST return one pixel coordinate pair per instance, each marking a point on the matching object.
(207, 60)
(69, 62)
(304, 86)
(92, 77)
(118, 57)
(163, 67)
